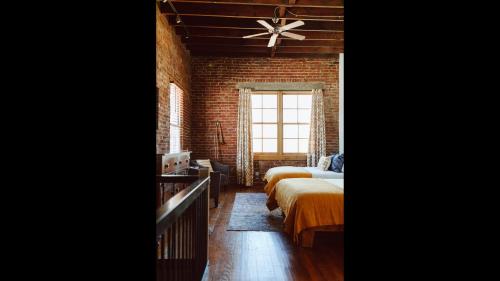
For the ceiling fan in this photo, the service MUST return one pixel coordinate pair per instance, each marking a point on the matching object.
(277, 30)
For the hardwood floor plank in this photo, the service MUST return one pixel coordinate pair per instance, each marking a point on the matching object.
(263, 256)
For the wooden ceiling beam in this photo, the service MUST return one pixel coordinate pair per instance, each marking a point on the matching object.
(254, 17)
(217, 27)
(283, 55)
(217, 22)
(263, 44)
(253, 12)
(266, 39)
(250, 29)
(282, 11)
(330, 4)
(301, 50)
(257, 42)
(208, 32)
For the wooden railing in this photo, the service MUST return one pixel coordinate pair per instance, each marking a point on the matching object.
(182, 231)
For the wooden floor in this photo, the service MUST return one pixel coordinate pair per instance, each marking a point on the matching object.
(258, 256)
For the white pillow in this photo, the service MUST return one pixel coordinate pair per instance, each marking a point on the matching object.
(324, 162)
(205, 163)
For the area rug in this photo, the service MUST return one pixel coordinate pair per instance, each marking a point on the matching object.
(251, 214)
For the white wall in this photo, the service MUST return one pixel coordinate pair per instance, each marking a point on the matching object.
(341, 102)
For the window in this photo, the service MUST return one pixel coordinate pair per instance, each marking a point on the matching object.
(296, 117)
(280, 124)
(265, 122)
(175, 118)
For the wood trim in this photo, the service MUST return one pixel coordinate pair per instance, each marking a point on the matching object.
(260, 55)
(252, 17)
(280, 123)
(210, 22)
(281, 86)
(176, 178)
(175, 206)
(280, 155)
(331, 4)
(250, 12)
(239, 33)
(253, 28)
(307, 235)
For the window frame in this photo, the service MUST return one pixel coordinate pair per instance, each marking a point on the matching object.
(179, 125)
(280, 155)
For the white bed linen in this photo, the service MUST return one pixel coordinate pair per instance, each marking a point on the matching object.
(337, 182)
(320, 174)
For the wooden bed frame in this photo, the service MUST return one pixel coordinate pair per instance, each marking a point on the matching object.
(306, 238)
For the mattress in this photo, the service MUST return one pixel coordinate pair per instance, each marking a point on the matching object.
(274, 175)
(310, 203)
(338, 182)
(320, 174)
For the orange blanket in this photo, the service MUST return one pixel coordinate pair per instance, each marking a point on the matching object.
(274, 175)
(309, 203)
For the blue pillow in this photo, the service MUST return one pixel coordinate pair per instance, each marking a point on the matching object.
(337, 162)
(330, 168)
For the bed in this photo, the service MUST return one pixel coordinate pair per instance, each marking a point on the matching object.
(310, 205)
(274, 175)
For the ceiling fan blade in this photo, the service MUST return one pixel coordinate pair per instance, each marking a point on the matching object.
(266, 25)
(272, 41)
(255, 35)
(293, 35)
(291, 25)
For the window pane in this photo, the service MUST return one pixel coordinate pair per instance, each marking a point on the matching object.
(257, 131)
(304, 115)
(256, 101)
(290, 115)
(256, 115)
(269, 145)
(269, 115)
(290, 131)
(303, 131)
(289, 101)
(175, 139)
(257, 145)
(303, 145)
(269, 101)
(174, 104)
(290, 145)
(270, 131)
(305, 101)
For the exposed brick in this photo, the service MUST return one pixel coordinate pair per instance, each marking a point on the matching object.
(173, 63)
(215, 97)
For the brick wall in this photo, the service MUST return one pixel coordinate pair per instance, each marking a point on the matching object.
(173, 63)
(214, 97)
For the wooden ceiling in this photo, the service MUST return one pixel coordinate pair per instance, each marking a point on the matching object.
(217, 27)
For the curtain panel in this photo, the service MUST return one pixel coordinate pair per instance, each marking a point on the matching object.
(317, 137)
(244, 157)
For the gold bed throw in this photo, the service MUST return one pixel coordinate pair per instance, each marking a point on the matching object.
(309, 203)
(274, 175)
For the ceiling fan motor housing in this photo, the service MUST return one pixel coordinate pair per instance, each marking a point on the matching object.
(276, 30)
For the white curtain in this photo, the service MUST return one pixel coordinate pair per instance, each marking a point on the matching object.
(244, 156)
(317, 138)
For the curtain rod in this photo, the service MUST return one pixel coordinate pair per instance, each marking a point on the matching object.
(281, 86)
